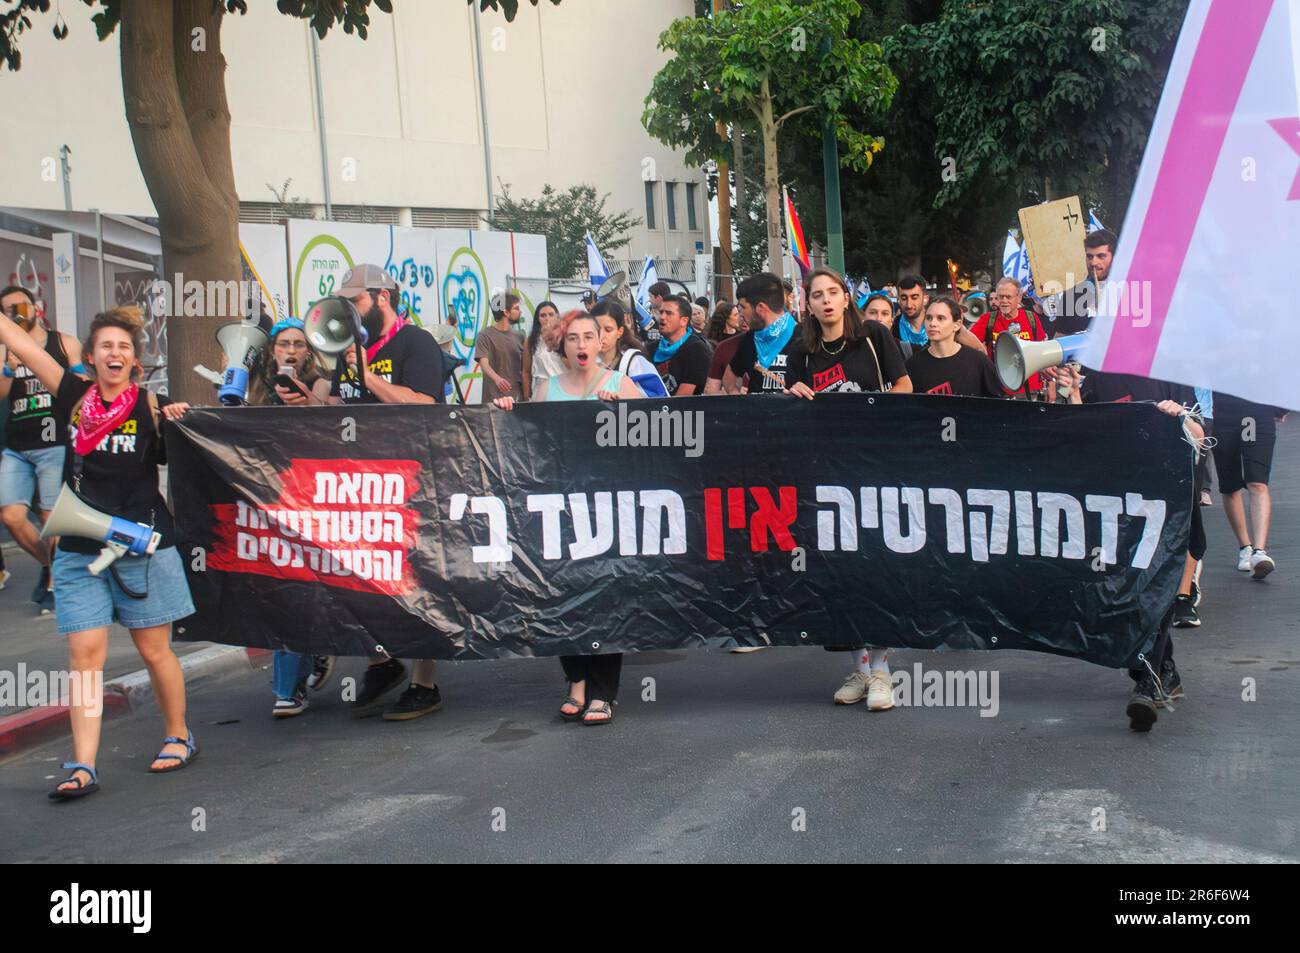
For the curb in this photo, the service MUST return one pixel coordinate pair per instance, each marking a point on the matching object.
(122, 695)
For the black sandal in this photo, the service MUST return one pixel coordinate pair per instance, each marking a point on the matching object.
(192, 752)
(600, 708)
(574, 716)
(81, 790)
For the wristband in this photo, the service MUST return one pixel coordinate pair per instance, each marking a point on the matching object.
(8, 373)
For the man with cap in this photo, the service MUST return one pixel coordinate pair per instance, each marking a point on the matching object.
(499, 350)
(404, 365)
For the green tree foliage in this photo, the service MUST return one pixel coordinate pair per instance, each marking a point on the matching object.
(1046, 97)
(904, 216)
(565, 218)
(768, 66)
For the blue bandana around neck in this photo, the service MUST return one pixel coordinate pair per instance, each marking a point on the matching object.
(908, 336)
(667, 350)
(771, 340)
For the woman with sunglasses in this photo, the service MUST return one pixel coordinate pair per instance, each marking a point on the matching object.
(31, 464)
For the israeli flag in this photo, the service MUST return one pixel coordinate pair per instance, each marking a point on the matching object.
(596, 267)
(864, 292)
(649, 275)
(1094, 223)
(1010, 256)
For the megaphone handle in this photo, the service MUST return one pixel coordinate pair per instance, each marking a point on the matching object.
(107, 556)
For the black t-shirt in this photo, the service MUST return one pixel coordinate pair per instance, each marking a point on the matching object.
(689, 365)
(31, 405)
(411, 359)
(747, 355)
(851, 370)
(120, 476)
(1103, 387)
(1077, 307)
(968, 373)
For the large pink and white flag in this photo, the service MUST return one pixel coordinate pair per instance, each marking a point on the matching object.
(1202, 289)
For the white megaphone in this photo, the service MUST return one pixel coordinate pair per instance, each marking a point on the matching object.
(72, 516)
(1019, 360)
(332, 326)
(242, 343)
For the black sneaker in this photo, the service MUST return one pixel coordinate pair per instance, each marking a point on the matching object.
(414, 702)
(47, 602)
(1142, 705)
(1185, 614)
(288, 707)
(1171, 683)
(42, 586)
(322, 667)
(378, 681)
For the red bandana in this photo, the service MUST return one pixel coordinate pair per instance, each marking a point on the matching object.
(373, 349)
(96, 422)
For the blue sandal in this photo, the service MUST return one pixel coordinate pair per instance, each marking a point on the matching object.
(81, 790)
(181, 762)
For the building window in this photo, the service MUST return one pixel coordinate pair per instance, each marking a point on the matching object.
(670, 204)
(691, 224)
(649, 205)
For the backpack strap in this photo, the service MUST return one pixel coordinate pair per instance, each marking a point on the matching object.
(154, 410)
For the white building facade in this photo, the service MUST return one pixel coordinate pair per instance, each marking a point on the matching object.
(404, 120)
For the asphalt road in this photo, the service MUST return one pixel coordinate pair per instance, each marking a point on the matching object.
(734, 755)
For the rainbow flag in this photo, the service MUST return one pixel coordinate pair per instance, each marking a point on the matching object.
(794, 233)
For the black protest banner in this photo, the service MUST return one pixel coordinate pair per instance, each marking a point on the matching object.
(892, 520)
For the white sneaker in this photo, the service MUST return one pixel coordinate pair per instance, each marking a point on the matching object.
(1243, 558)
(288, 707)
(880, 692)
(853, 690)
(1261, 564)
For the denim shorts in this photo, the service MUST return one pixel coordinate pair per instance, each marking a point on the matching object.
(83, 601)
(23, 472)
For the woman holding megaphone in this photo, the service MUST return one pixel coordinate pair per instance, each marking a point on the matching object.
(112, 429)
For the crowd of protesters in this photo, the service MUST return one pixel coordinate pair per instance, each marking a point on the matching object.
(65, 399)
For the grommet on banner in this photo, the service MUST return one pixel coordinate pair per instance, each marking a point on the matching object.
(452, 415)
(803, 635)
(993, 639)
(595, 645)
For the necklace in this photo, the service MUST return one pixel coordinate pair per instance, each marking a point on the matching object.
(843, 341)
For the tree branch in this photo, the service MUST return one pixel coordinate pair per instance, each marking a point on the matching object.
(793, 112)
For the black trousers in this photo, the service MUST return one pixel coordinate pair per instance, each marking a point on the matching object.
(1161, 655)
(600, 672)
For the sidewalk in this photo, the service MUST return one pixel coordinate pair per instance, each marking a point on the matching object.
(27, 636)
(30, 644)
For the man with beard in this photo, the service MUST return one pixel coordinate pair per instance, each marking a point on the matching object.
(909, 328)
(404, 365)
(32, 464)
(1078, 306)
(500, 350)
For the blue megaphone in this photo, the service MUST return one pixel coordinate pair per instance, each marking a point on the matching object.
(1018, 360)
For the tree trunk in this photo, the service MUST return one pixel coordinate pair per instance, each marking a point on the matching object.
(738, 170)
(771, 179)
(176, 108)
